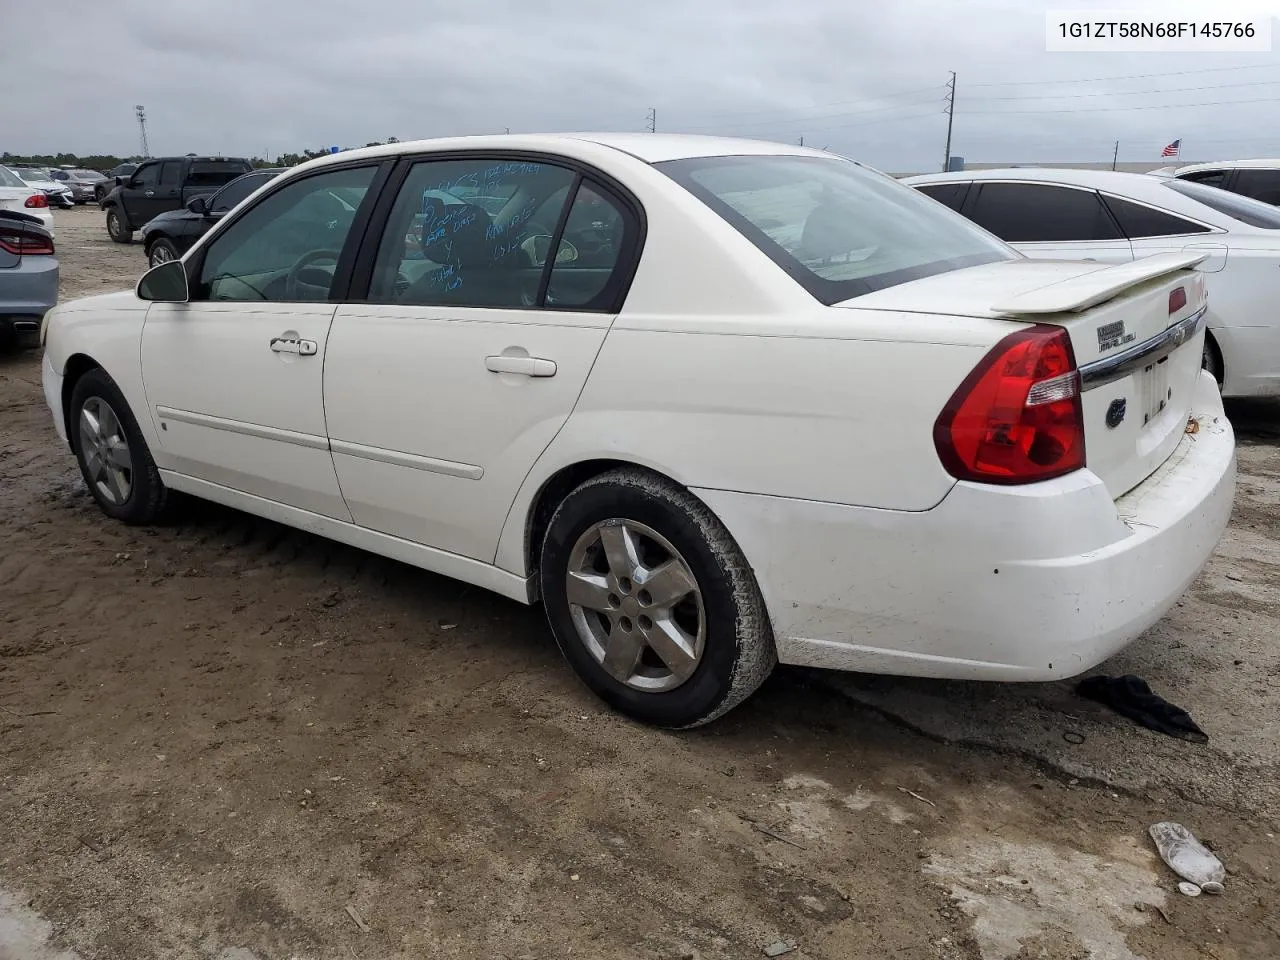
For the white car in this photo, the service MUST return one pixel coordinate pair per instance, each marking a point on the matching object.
(1259, 179)
(42, 180)
(716, 403)
(1119, 217)
(19, 196)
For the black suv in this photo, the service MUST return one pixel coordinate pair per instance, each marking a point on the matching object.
(172, 234)
(165, 184)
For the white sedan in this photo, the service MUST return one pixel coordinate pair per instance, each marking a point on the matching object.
(715, 403)
(1118, 217)
(20, 197)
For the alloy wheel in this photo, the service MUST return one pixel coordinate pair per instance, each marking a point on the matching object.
(636, 605)
(107, 458)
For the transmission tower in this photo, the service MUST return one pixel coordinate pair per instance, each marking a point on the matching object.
(652, 119)
(141, 113)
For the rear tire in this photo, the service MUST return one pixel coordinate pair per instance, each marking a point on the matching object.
(114, 458)
(116, 227)
(1211, 359)
(680, 656)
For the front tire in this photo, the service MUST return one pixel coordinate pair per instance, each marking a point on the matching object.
(161, 251)
(651, 601)
(116, 227)
(114, 458)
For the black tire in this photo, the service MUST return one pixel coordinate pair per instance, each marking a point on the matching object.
(1211, 359)
(738, 650)
(147, 495)
(117, 229)
(164, 245)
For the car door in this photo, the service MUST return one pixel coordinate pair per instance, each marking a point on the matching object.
(1152, 230)
(138, 193)
(490, 292)
(1048, 221)
(165, 195)
(234, 376)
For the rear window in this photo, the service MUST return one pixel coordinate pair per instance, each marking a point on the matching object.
(838, 229)
(214, 173)
(1247, 211)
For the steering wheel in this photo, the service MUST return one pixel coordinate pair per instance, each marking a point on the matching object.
(537, 252)
(298, 274)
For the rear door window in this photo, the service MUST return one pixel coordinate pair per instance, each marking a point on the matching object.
(1244, 209)
(1262, 185)
(1041, 213)
(1138, 221)
(170, 173)
(214, 173)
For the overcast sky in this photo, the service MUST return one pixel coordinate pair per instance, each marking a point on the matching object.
(248, 77)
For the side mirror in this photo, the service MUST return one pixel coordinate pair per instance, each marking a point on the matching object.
(199, 205)
(164, 283)
(121, 181)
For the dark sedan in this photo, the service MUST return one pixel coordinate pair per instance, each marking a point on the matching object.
(171, 234)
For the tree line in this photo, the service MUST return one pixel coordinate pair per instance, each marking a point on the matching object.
(106, 161)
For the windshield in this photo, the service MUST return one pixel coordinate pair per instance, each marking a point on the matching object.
(1255, 213)
(837, 228)
(10, 179)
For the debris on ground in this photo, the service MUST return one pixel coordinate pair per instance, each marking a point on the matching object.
(1188, 857)
(779, 947)
(1132, 697)
(358, 920)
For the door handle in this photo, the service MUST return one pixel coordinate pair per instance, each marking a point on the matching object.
(303, 348)
(528, 366)
(151, 193)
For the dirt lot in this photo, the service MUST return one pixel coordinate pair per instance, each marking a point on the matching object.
(217, 736)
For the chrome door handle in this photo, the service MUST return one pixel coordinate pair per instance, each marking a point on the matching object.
(528, 366)
(303, 348)
(151, 193)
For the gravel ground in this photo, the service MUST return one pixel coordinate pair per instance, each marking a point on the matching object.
(218, 735)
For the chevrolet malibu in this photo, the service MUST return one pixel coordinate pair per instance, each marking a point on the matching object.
(715, 404)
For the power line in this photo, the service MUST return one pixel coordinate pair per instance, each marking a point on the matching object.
(1133, 76)
(1128, 93)
(1136, 106)
(803, 118)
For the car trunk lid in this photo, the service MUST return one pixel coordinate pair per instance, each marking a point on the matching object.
(1136, 340)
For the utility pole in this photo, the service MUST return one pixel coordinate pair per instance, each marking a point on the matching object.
(653, 120)
(951, 115)
(802, 139)
(140, 112)
(1115, 155)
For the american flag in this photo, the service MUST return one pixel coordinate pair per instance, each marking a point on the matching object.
(1172, 149)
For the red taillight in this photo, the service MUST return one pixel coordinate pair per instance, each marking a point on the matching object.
(1017, 418)
(36, 200)
(25, 244)
(1177, 299)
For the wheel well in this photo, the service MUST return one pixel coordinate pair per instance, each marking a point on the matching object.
(557, 487)
(77, 366)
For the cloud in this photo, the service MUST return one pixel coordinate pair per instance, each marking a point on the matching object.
(272, 76)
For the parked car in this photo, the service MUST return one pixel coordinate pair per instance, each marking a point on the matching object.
(18, 195)
(1259, 179)
(41, 178)
(1119, 217)
(715, 403)
(114, 177)
(165, 184)
(82, 183)
(28, 277)
(170, 235)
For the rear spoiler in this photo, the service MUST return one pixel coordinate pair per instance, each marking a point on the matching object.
(1090, 289)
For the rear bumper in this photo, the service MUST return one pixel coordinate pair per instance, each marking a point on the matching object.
(995, 583)
(29, 290)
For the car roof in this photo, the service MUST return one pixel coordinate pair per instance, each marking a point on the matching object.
(649, 147)
(1259, 164)
(1097, 179)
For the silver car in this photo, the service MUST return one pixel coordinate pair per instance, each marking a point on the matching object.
(28, 277)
